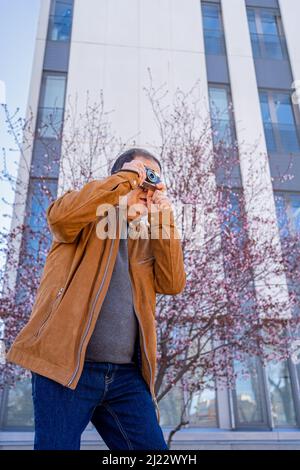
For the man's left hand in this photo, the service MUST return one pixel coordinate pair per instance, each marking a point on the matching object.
(158, 198)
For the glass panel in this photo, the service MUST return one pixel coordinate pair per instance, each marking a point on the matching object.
(288, 216)
(286, 122)
(249, 396)
(213, 34)
(281, 212)
(269, 23)
(37, 238)
(41, 194)
(211, 17)
(251, 21)
(219, 105)
(283, 107)
(267, 41)
(170, 407)
(220, 114)
(282, 404)
(268, 126)
(50, 115)
(53, 91)
(202, 410)
(49, 123)
(273, 47)
(19, 405)
(264, 105)
(60, 22)
(295, 213)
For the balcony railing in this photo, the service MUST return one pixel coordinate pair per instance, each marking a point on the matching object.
(214, 42)
(59, 28)
(282, 138)
(269, 46)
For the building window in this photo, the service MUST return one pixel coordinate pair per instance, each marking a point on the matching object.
(266, 33)
(221, 113)
(249, 395)
(41, 194)
(288, 219)
(36, 238)
(213, 29)
(288, 212)
(281, 396)
(16, 407)
(51, 105)
(201, 411)
(60, 21)
(279, 120)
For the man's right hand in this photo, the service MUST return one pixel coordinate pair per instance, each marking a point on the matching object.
(138, 166)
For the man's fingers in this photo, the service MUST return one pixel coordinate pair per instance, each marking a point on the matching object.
(161, 186)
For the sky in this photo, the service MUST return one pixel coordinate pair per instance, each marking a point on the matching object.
(18, 27)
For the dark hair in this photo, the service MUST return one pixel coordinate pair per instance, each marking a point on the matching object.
(129, 155)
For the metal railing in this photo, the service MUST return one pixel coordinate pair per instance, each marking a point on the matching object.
(59, 28)
(269, 46)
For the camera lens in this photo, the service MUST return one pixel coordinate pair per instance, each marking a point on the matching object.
(151, 176)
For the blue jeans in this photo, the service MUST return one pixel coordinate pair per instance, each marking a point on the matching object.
(114, 397)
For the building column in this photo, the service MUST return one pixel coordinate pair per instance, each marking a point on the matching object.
(254, 164)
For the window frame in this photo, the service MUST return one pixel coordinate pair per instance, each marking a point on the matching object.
(259, 34)
(222, 52)
(274, 122)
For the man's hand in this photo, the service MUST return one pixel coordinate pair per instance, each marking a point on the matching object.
(159, 199)
(136, 165)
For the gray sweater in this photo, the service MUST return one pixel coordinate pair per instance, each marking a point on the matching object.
(115, 333)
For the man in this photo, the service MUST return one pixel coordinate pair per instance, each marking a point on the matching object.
(90, 341)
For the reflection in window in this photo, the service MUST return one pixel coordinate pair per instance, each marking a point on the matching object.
(36, 238)
(249, 394)
(19, 406)
(288, 213)
(221, 115)
(279, 122)
(266, 34)
(41, 194)
(200, 412)
(213, 29)
(51, 105)
(288, 219)
(282, 404)
(170, 407)
(60, 21)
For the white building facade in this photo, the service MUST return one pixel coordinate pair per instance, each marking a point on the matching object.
(245, 53)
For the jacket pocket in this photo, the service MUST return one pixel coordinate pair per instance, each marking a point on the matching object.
(50, 311)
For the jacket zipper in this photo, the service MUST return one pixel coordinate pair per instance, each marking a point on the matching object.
(50, 312)
(91, 313)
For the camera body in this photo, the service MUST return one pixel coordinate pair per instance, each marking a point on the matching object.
(151, 180)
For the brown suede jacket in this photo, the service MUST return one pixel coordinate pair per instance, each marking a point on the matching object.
(76, 277)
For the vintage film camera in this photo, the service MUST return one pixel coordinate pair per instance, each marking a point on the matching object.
(151, 180)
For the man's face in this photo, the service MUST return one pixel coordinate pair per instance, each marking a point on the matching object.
(137, 198)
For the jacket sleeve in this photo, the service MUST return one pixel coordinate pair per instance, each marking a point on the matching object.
(169, 272)
(70, 213)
